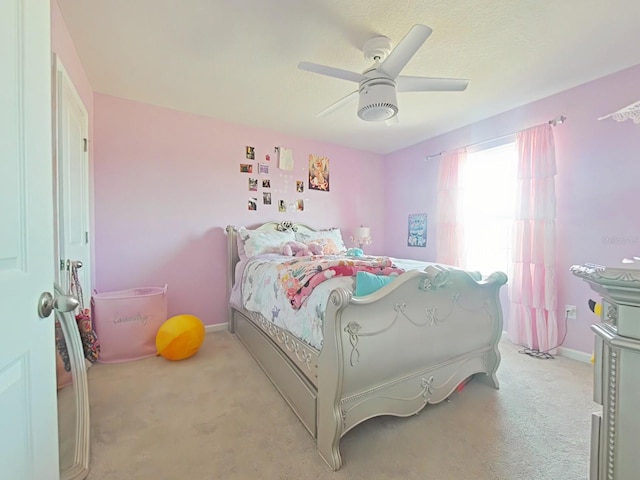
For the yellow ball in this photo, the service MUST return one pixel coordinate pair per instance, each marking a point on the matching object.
(180, 337)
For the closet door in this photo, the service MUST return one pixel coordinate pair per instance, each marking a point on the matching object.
(72, 235)
(72, 182)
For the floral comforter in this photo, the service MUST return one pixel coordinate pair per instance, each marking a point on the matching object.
(262, 291)
(298, 277)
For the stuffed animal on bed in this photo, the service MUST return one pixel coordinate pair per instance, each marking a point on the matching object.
(299, 249)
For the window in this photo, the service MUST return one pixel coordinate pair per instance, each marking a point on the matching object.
(487, 199)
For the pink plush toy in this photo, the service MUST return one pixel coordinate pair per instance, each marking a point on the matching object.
(315, 248)
(299, 249)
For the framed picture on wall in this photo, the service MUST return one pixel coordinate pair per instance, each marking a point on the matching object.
(266, 198)
(253, 204)
(246, 168)
(417, 235)
(263, 169)
(250, 153)
(318, 173)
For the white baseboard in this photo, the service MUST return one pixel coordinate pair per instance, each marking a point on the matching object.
(574, 354)
(218, 327)
(563, 351)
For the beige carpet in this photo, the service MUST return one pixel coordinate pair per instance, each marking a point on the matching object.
(217, 416)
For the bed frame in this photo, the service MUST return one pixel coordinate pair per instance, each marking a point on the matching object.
(390, 353)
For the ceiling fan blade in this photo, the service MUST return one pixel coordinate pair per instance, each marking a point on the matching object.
(408, 46)
(331, 72)
(427, 84)
(340, 103)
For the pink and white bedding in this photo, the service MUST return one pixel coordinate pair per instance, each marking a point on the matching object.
(260, 279)
(300, 276)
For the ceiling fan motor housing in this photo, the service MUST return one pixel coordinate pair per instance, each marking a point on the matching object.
(378, 100)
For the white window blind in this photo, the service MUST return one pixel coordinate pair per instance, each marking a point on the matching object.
(487, 197)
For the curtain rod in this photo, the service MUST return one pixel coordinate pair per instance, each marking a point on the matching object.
(560, 119)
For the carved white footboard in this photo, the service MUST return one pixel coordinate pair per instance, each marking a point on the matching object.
(411, 343)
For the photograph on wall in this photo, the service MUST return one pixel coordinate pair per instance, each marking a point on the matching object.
(318, 173)
(253, 204)
(266, 198)
(282, 206)
(250, 153)
(300, 205)
(263, 169)
(299, 186)
(246, 168)
(253, 184)
(285, 158)
(266, 183)
(417, 230)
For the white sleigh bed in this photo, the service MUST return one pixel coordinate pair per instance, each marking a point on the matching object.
(388, 353)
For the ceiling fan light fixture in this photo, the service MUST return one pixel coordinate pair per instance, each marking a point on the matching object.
(378, 102)
(377, 84)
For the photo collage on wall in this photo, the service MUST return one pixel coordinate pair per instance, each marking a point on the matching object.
(259, 184)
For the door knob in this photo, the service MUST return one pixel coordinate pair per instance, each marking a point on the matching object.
(62, 303)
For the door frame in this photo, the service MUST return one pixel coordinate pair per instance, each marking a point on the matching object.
(59, 75)
(80, 465)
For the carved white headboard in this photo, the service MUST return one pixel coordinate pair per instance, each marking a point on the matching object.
(232, 242)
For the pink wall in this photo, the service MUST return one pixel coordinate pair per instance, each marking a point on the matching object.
(597, 184)
(167, 184)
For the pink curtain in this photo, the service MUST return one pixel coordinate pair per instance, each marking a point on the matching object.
(533, 319)
(449, 228)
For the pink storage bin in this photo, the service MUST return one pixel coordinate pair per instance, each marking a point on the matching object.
(127, 321)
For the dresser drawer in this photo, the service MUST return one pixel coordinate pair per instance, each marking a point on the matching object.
(621, 318)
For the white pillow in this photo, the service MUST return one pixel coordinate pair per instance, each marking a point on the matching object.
(257, 243)
(331, 240)
(240, 244)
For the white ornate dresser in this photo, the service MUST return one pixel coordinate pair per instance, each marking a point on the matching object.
(615, 429)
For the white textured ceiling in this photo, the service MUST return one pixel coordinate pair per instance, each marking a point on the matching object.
(237, 60)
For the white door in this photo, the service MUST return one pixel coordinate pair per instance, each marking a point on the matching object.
(72, 178)
(28, 423)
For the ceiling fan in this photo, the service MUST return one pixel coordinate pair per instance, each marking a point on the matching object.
(378, 84)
